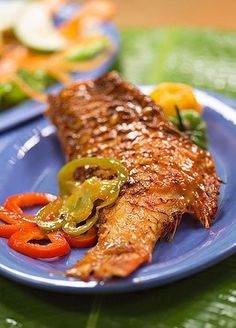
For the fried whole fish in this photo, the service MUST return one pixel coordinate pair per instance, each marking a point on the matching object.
(168, 174)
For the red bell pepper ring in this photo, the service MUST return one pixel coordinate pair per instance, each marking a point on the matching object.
(13, 222)
(88, 239)
(20, 241)
(16, 202)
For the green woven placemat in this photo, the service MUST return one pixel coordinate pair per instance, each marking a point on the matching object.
(205, 59)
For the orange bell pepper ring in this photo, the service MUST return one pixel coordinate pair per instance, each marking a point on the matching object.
(25, 240)
(87, 239)
(15, 203)
(13, 222)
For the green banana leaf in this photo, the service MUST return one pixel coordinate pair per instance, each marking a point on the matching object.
(208, 299)
(203, 58)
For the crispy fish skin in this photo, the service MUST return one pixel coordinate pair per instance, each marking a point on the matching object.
(168, 174)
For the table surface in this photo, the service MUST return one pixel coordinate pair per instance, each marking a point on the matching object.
(216, 13)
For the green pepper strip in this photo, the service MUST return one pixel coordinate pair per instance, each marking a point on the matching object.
(78, 206)
(191, 123)
(108, 191)
(43, 219)
(66, 175)
(77, 201)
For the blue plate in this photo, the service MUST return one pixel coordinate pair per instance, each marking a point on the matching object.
(30, 109)
(31, 161)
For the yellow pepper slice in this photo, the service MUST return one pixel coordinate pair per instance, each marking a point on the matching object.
(169, 95)
(77, 209)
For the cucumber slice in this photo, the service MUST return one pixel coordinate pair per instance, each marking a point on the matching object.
(87, 51)
(35, 29)
(9, 13)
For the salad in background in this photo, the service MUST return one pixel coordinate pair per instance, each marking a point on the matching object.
(35, 53)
